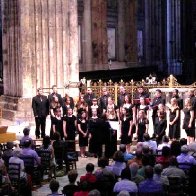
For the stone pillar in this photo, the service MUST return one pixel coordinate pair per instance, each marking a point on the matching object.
(99, 34)
(131, 31)
(121, 31)
(40, 49)
(86, 37)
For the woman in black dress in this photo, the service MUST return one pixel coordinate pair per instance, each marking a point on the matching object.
(83, 134)
(174, 120)
(189, 122)
(126, 124)
(57, 125)
(142, 125)
(81, 106)
(69, 128)
(95, 134)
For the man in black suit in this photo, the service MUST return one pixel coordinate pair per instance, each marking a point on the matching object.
(88, 97)
(121, 96)
(158, 99)
(40, 107)
(54, 93)
(141, 93)
(103, 100)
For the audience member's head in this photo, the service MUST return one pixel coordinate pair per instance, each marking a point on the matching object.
(149, 171)
(122, 148)
(126, 173)
(166, 151)
(123, 193)
(183, 141)
(1, 154)
(72, 176)
(103, 162)
(16, 152)
(184, 149)
(46, 141)
(94, 192)
(27, 143)
(90, 167)
(139, 145)
(145, 149)
(138, 153)
(118, 156)
(146, 137)
(84, 186)
(158, 168)
(26, 131)
(173, 161)
(175, 148)
(145, 160)
(165, 139)
(133, 168)
(54, 185)
(10, 145)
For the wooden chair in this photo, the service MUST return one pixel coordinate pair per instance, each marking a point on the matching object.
(46, 161)
(14, 173)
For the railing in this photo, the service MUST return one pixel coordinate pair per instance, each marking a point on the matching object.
(131, 87)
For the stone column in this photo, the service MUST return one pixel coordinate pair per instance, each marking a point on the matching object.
(99, 34)
(121, 31)
(40, 48)
(131, 31)
(86, 37)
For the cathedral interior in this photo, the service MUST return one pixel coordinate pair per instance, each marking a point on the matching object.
(53, 42)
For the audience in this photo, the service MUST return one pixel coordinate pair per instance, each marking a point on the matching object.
(164, 158)
(165, 142)
(127, 156)
(54, 186)
(71, 188)
(26, 136)
(125, 184)
(150, 185)
(135, 177)
(152, 144)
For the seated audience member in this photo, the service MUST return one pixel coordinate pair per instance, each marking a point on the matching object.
(54, 186)
(158, 168)
(185, 161)
(173, 170)
(27, 151)
(137, 159)
(71, 188)
(3, 171)
(152, 144)
(165, 142)
(125, 184)
(118, 164)
(16, 159)
(105, 178)
(9, 150)
(175, 148)
(94, 192)
(147, 152)
(47, 147)
(89, 176)
(164, 158)
(83, 189)
(59, 151)
(26, 136)
(135, 177)
(150, 185)
(127, 156)
(145, 162)
(183, 141)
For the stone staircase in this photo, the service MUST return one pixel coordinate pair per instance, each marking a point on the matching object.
(16, 108)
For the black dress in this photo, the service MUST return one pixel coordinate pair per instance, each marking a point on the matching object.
(125, 125)
(160, 127)
(141, 128)
(83, 141)
(174, 130)
(70, 127)
(187, 115)
(58, 122)
(96, 141)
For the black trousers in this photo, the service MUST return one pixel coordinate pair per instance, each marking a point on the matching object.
(40, 122)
